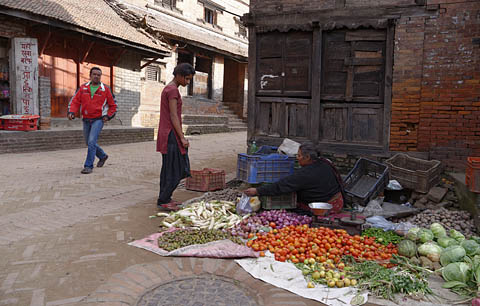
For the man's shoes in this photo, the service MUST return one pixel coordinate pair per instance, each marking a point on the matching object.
(172, 206)
(87, 170)
(102, 161)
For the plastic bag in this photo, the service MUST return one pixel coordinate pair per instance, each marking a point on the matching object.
(373, 208)
(381, 222)
(289, 147)
(243, 206)
(394, 185)
(402, 228)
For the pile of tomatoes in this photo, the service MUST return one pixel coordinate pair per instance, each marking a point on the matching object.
(297, 243)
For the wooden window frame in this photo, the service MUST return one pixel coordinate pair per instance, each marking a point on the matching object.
(215, 9)
(242, 29)
(169, 4)
(158, 73)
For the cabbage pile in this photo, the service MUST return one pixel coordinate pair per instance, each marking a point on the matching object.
(459, 257)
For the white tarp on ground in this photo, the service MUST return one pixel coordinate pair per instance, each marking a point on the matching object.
(286, 276)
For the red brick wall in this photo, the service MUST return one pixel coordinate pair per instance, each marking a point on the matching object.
(436, 86)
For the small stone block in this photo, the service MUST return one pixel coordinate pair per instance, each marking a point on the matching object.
(436, 194)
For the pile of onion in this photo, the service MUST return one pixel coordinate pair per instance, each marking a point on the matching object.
(269, 218)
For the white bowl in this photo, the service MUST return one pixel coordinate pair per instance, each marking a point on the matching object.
(319, 208)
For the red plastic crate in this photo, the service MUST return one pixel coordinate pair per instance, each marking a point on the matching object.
(472, 174)
(206, 180)
(20, 122)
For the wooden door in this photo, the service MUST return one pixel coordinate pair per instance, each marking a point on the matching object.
(352, 87)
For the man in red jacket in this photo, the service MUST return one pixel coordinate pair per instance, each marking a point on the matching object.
(98, 105)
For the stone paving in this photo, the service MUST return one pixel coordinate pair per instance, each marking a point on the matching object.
(64, 235)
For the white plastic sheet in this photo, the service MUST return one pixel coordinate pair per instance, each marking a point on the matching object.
(286, 276)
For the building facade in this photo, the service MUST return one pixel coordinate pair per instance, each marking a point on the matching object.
(69, 40)
(206, 33)
(370, 77)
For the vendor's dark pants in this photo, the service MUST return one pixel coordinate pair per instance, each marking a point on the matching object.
(175, 167)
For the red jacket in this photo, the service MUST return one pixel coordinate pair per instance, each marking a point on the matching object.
(102, 104)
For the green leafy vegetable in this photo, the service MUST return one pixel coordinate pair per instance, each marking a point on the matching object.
(407, 248)
(456, 271)
(413, 234)
(431, 250)
(471, 247)
(451, 254)
(438, 230)
(445, 242)
(381, 236)
(425, 235)
(456, 235)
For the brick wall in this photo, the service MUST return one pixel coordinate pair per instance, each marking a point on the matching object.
(44, 88)
(127, 87)
(436, 86)
(12, 142)
(450, 99)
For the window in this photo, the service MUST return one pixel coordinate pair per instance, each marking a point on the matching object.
(171, 4)
(242, 29)
(209, 16)
(153, 73)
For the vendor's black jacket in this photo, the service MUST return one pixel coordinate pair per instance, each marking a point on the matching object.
(313, 183)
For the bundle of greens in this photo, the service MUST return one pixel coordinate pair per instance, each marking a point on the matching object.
(405, 278)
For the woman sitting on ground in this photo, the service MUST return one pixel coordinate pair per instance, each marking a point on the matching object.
(316, 181)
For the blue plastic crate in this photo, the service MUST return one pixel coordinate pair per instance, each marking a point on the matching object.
(265, 150)
(255, 169)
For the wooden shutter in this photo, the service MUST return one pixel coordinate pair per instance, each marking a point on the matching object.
(352, 90)
(283, 63)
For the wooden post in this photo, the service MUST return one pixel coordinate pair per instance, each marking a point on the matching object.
(252, 76)
(387, 102)
(316, 83)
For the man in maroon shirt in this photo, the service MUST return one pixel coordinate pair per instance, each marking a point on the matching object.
(170, 141)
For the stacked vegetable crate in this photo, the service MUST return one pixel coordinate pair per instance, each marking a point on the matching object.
(19, 122)
(265, 166)
(365, 181)
(414, 173)
(206, 180)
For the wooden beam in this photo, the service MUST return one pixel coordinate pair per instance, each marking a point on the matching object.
(45, 44)
(119, 57)
(87, 52)
(252, 79)
(316, 78)
(149, 62)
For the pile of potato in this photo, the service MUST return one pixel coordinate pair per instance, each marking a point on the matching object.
(451, 219)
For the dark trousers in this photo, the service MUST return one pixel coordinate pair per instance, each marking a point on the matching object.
(175, 167)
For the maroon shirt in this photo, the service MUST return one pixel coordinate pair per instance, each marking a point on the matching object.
(170, 92)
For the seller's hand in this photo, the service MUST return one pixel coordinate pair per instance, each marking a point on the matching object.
(105, 118)
(185, 142)
(251, 192)
(71, 116)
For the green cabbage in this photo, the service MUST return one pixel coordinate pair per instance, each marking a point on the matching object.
(471, 247)
(456, 271)
(438, 230)
(413, 234)
(445, 242)
(476, 238)
(451, 254)
(407, 248)
(457, 235)
(425, 235)
(431, 250)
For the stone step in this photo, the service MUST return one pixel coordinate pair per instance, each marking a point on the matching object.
(238, 129)
(189, 129)
(204, 119)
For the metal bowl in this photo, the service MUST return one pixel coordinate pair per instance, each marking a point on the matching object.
(320, 208)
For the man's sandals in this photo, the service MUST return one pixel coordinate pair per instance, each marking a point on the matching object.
(171, 206)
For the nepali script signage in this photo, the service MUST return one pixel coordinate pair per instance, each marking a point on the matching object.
(25, 76)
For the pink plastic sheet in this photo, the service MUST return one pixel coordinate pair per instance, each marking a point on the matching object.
(215, 249)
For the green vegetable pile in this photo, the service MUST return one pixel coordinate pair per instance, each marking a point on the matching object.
(170, 241)
(381, 236)
(405, 278)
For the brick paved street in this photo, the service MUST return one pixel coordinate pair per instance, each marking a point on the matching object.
(64, 235)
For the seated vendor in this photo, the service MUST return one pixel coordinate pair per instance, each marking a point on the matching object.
(316, 181)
